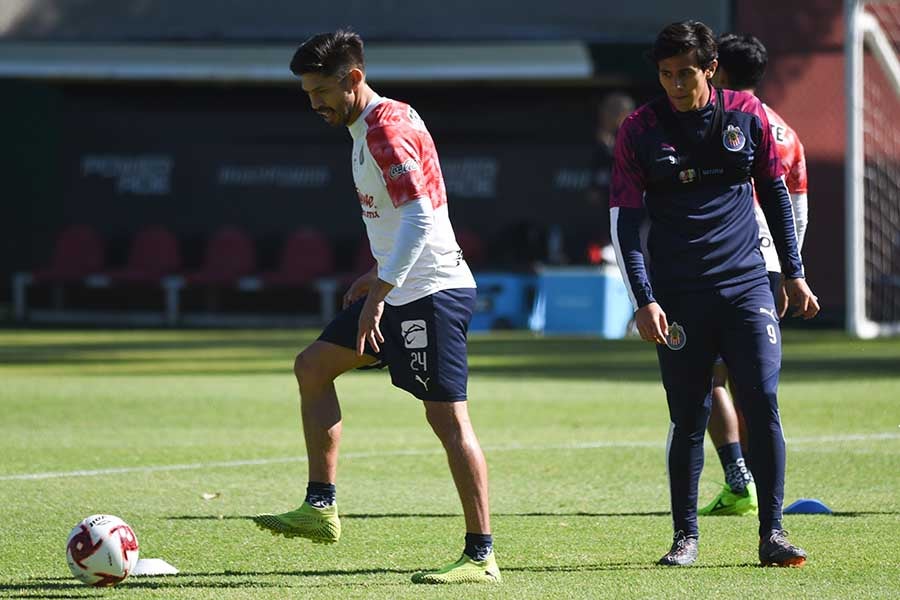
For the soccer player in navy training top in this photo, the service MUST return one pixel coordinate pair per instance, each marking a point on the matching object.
(685, 161)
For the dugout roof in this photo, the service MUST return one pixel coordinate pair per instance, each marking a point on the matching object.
(238, 41)
(384, 20)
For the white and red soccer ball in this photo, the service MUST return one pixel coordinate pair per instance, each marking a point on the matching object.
(102, 550)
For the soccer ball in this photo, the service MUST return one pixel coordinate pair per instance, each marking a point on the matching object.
(102, 550)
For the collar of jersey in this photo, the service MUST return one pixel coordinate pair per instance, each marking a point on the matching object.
(709, 103)
(358, 127)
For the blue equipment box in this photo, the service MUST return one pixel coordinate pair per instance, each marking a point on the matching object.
(582, 300)
(504, 301)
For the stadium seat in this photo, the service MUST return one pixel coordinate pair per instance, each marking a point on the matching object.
(154, 259)
(154, 255)
(307, 255)
(307, 260)
(77, 254)
(229, 256)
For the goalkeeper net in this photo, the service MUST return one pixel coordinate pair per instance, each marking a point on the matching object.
(873, 167)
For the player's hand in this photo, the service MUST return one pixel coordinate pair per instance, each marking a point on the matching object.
(805, 303)
(358, 289)
(651, 323)
(369, 328)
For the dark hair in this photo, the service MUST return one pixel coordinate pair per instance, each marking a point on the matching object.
(684, 36)
(744, 58)
(329, 54)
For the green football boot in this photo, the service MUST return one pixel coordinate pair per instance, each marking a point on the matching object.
(727, 503)
(465, 570)
(321, 525)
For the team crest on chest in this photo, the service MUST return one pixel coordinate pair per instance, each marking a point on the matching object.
(675, 337)
(733, 139)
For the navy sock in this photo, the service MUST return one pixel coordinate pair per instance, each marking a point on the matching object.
(479, 545)
(320, 495)
(737, 475)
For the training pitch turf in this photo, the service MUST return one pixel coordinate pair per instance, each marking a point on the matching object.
(144, 424)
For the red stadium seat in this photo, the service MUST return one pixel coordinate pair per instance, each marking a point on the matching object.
(306, 260)
(154, 255)
(307, 255)
(78, 252)
(230, 255)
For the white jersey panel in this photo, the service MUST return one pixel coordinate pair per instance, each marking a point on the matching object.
(394, 162)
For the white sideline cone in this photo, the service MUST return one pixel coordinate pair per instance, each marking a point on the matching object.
(147, 567)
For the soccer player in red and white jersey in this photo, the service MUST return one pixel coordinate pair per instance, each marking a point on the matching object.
(411, 312)
(742, 65)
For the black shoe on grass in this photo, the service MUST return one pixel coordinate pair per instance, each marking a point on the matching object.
(776, 551)
(683, 551)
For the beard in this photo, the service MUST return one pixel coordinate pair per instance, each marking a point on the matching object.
(334, 117)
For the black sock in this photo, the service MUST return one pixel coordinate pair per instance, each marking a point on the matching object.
(479, 545)
(737, 476)
(320, 495)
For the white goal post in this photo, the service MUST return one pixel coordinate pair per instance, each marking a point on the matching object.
(872, 208)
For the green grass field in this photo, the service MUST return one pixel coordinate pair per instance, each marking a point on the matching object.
(141, 424)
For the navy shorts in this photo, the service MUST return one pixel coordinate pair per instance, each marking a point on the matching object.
(738, 323)
(775, 288)
(424, 342)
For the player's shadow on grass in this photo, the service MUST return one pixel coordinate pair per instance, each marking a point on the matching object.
(57, 587)
(60, 587)
(308, 572)
(48, 586)
(650, 513)
(437, 515)
(863, 513)
(632, 566)
(521, 514)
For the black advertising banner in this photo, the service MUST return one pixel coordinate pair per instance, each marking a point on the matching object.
(195, 159)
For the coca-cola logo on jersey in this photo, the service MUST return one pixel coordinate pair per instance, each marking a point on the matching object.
(407, 166)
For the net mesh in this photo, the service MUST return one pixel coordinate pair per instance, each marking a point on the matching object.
(881, 126)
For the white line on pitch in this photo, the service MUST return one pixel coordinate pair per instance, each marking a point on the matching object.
(423, 452)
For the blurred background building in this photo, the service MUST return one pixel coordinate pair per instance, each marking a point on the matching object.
(124, 115)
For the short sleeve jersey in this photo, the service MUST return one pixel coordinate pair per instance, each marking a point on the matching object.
(793, 162)
(703, 234)
(395, 162)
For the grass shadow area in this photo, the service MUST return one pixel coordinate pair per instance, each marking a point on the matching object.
(808, 356)
(365, 516)
(60, 587)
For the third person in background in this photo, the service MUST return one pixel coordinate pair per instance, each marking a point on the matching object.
(742, 65)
